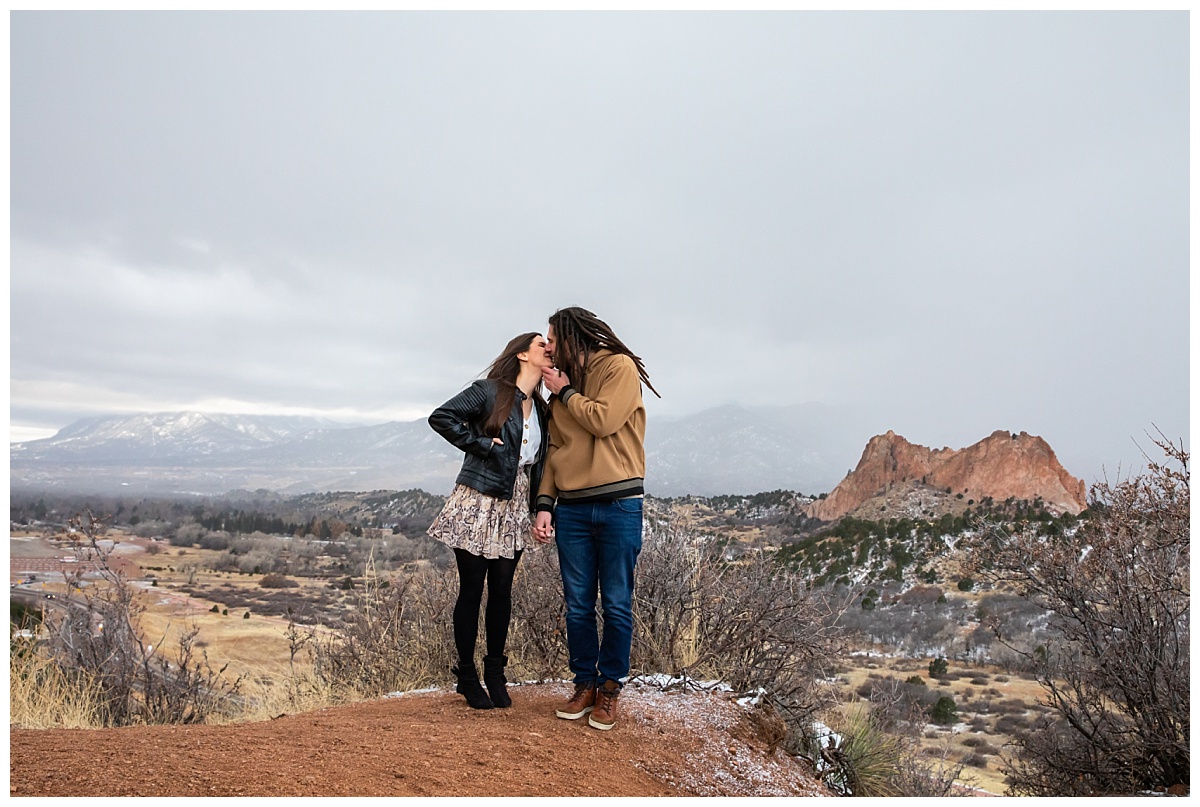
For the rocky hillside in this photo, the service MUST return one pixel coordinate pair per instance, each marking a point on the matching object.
(1002, 466)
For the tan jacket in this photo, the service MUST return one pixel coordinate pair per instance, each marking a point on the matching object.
(597, 436)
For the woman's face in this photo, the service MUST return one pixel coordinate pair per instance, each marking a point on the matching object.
(538, 353)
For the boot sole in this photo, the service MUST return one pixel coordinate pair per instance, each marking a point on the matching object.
(601, 726)
(573, 715)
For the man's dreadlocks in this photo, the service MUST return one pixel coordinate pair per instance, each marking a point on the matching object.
(582, 332)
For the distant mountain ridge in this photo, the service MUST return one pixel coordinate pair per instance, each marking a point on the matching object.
(169, 435)
(734, 449)
(730, 449)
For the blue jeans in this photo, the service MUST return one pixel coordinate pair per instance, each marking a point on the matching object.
(598, 545)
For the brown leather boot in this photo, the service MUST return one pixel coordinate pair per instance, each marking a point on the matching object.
(580, 703)
(604, 715)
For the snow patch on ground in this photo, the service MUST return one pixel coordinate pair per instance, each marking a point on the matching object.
(424, 691)
(722, 764)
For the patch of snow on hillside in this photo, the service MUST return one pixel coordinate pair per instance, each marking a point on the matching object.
(726, 768)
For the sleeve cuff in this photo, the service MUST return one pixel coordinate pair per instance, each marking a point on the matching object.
(544, 504)
(565, 393)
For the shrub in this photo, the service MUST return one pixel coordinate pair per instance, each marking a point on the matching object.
(862, 759)
(966, 584)
(400, 637)
(976, 760)
(133, 682)
(1013, 725)
(1121, 707)
(922, 595)
(938, 668)
(272, 580)
(896, 705)
(944, 712)
(867, 759)
(752, 624)
(1010, 706)
(218, 541)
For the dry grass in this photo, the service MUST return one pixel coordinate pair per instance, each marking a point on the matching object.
(256, 649)
(41, 695)
(267, 696)
(1008, 713)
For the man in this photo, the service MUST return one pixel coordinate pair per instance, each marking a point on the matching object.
(593, 486)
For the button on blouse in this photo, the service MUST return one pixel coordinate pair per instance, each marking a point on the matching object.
(531, 439)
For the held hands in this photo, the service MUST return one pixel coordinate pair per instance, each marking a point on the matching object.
(554, 379)
(543, 533)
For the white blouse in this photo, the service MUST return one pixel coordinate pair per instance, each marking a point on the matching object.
(531, 440)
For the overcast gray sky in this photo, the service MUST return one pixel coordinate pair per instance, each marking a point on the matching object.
(958, 222)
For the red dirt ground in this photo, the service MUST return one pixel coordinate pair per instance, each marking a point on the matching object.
(427, 744)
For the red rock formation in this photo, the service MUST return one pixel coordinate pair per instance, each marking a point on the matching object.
(1001, 466)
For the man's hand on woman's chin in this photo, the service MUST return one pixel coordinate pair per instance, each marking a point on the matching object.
(554, 379)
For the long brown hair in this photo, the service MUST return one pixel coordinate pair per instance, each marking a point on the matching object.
(504, 371)
(581, 332)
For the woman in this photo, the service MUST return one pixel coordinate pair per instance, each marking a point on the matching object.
(500, 422)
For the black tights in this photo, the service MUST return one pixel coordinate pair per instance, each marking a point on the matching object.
(472, 569)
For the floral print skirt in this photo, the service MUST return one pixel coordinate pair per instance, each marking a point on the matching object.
(484, 525)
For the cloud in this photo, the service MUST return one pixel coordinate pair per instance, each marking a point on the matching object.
(958, 219)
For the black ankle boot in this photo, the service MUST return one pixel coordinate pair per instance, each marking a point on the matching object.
(493, 677)
(468, 686)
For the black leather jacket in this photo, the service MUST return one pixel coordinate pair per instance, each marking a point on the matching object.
(489, 468)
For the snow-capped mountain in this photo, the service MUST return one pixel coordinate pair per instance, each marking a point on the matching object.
(166, 436)
(730, 449)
